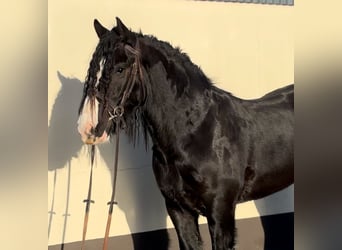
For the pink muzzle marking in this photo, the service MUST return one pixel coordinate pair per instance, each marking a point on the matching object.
(87, 121)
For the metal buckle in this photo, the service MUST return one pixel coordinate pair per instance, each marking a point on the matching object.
(117, 112)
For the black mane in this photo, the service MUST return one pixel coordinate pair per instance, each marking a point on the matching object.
(181, 70)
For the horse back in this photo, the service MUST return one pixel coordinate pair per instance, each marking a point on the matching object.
(256, 138)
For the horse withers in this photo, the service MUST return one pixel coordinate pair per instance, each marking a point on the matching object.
(211, 150)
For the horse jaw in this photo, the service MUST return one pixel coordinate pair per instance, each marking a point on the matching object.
(87, 121)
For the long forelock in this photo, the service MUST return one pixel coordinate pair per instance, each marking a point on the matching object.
(104, 49)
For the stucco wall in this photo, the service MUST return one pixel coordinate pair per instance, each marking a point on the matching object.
(246, 49)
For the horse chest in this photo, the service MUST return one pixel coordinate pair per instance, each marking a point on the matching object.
(182, 194)
(176, 187)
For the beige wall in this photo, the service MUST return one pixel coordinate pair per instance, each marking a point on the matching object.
(246, 49)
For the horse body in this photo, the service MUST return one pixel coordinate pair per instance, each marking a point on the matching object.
(211, 150)
(220, 150)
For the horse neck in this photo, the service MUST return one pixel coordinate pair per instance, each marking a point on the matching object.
(171, 112)
(161, 112)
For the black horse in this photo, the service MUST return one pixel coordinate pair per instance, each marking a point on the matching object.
(211, 150)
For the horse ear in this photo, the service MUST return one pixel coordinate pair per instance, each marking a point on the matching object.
(100, 30)
(123, 30)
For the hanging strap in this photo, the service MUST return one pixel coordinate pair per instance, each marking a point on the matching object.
(88, 200)
(112, 202)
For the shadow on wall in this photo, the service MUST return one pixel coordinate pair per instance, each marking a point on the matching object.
(137, 195)
(64, 142)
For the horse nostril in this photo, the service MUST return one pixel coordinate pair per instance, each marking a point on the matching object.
(92, 131)
(97, 131)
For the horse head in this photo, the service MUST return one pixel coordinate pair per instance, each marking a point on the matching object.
(115, 85)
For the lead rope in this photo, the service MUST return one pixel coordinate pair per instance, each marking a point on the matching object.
(111, 203)
(88, 200)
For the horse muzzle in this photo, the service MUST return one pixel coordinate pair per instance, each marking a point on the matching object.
(88, 137)
(90, 129)
(92, 139)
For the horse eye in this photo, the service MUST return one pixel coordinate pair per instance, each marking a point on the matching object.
(120, 70)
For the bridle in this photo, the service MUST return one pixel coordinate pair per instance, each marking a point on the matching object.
(135, 71)
(116, 116)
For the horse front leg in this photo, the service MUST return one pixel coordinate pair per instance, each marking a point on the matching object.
(186, 225)
(221, 215)
(221, 223)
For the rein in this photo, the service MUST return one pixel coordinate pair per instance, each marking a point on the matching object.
(88, 200)
(111, 203)
(116, 116)
(118, 112)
